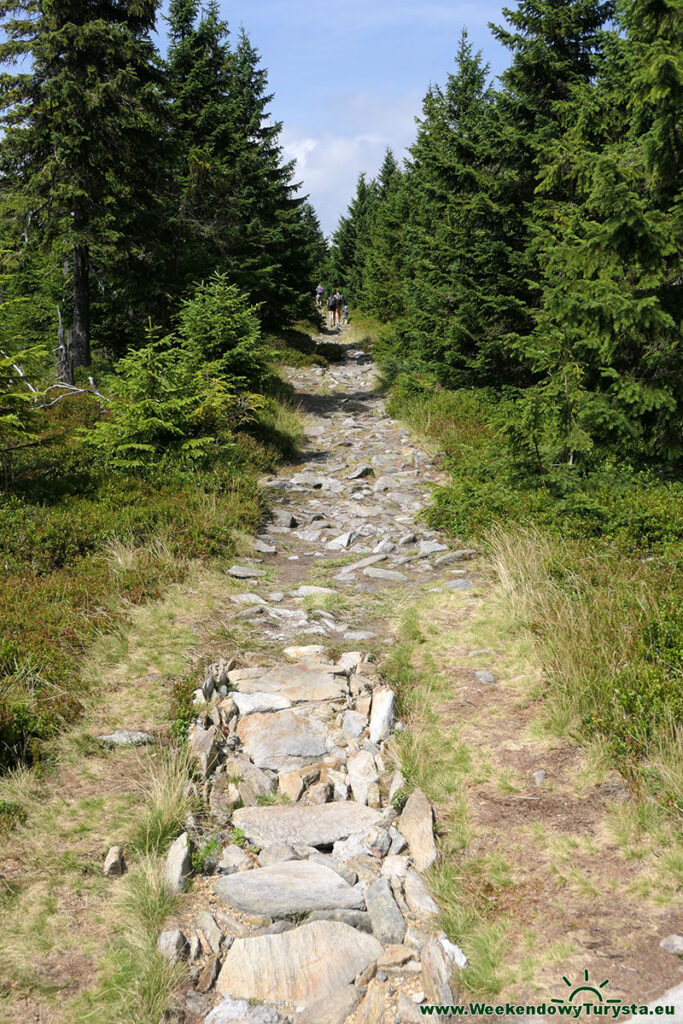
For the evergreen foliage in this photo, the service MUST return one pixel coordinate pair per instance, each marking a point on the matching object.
(531, 243)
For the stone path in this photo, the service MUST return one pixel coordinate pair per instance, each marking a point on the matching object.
(314, 909)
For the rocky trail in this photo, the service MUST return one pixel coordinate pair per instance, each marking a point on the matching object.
(303, 875)
(319, 912)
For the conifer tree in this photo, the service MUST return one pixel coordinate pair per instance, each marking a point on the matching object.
(79, 126)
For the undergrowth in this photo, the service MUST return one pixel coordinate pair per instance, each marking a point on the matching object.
(589, 563)
(79, 543)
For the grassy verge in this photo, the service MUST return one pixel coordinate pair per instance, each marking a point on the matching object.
(79, 947)
(590, 568)
(525, 868)
(80, 546)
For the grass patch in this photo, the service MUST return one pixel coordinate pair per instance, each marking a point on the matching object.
(589, 569)
(138, 981)
(167, 802)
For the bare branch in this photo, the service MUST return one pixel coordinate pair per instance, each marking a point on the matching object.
(20, 373)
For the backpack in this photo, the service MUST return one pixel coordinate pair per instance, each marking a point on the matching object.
(331, 302)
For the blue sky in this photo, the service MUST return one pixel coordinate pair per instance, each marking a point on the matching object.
(349, 77)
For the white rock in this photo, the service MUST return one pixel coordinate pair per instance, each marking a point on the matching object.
(178, 866)
(362, 774)
(233, 859)
(113, 863)
(173, 945)
(383, 715)
(297, 966)
(251, 703)
(417, 826)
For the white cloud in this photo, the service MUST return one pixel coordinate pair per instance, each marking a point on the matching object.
(329, 165)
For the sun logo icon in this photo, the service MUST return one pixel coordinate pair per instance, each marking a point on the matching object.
(585, 989)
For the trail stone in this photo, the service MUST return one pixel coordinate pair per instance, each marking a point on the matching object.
(353, 724)
(291, 785)
(465, 584)
(276, 853)
(672, 944)
(299, 966)
(416, 825)
(391, 575)
(436, 973)
(396, 786)
(113, 863)
(310, 652)
(361, 471)
(395, 956)
(308, 590)
(178, 866)
(297, 683)
(343, 541)
(359, 634)
(247, 598)
(407, 1009)
(126, 738)
(313, 826)
(173, 945)
(252, 703)
(383, 715)
(263, 548)
(484, 677)
(362, 773)
(343, 870)
(395, 867)
(238, 1011)
(454, 954)
(286, 519)
(370, 560)
(245, 572)
(406, 539)
(203, 749)
(417, 895)
(209, 974)
(465, 554)
(254, 784)
(374, 1005)
(387, 920)
(332, 1009)
(223, 797)
(320, 793)
(210, 929)
(289, 887)
(359, 919)
(430, 547)
(233, 859)
(282, 740)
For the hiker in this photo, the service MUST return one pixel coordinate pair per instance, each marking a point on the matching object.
(345, 316)
(339, 302)
(331, 308)
(319, 292)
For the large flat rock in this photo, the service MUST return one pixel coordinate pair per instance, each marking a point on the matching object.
(297, 683)
(309, 826)
(298, 966)
(289, 887)
(282, 740)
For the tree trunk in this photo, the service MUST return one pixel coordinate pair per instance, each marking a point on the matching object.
(65, 369)
(80, 351)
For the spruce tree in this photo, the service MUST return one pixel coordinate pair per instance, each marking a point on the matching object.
(79, 127)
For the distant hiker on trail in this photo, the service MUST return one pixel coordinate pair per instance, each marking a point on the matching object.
(345, 316)
(339, 303)
(319, 292)
(331, 308)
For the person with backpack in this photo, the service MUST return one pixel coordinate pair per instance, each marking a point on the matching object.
(319, 292)
(331, 308)
(339, 303)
